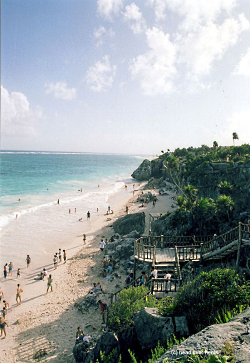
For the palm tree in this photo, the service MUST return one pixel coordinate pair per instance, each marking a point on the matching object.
(191, 192)
(235, 136)
(224, 205)
(225, 188)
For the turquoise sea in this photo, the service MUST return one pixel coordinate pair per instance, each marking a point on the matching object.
(31, 183)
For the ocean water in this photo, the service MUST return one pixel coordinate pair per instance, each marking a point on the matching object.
(31, 220)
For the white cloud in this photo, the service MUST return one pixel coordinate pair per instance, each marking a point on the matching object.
(109, 8)
(18, 119)
(135, 19)
(60, 90)
(156, 68)
(199, 49)
(197, 12)
(243, 68)
(160, 8)
(101, 75)
(100, 34)
(239, 123)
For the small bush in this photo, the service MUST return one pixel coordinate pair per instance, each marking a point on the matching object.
(130, 301)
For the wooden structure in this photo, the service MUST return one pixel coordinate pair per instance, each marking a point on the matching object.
(166, 253)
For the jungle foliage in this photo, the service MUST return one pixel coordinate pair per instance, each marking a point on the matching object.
(209, 296)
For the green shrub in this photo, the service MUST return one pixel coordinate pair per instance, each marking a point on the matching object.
(130, 301)
(207, 295)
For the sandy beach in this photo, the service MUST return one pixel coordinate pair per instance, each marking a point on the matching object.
(49, 321)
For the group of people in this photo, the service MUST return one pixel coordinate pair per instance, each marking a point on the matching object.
(7, 269)
(96, 289)
(145, 277)
(4, 310)
(108, 265)
(58, 257)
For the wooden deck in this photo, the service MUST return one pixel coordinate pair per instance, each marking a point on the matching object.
(165, 255)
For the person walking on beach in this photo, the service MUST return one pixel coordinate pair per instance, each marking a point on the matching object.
(1, 294)
(88, 215)
(3, 325)
(10, 268)
(103, 308)
(49, 283)
(64, 256)
(60, 255)
(5, 270)
(18, 294)
(102, 245)
(28, 260)
(84, 238)
(55, 261)
(18, 273)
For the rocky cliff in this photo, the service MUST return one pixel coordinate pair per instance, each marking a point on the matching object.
(227, 339)
(205, 176)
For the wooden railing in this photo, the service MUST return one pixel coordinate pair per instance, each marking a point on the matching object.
(220, 241)
(189, 246)
(172, 241)
(189, 252)
(144, 252)
(177, 263)
(164, 285)
(245, 231)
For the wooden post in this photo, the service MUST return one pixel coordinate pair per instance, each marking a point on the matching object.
(239, 248)
(161, 241)
(134, 274)
(201, 251)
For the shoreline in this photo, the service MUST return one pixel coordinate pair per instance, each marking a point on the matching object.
(49, 321)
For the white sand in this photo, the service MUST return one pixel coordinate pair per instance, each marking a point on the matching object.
(49, 321)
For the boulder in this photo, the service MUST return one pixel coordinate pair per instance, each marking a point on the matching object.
(215, 338)
(86, 303)
(181, 326)
(143, 172)
(129, 223)
(106, 343)
(151, 327)
(81, 352)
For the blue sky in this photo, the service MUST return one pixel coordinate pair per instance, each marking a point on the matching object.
(124, 76)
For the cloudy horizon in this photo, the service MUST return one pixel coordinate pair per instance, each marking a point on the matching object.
(118, 76)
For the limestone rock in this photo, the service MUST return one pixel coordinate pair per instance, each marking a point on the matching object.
(81, 352)
(143, 172)
(181, 326)
(130, 223)
(106, 343)
(151, 327)
(213, 339)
